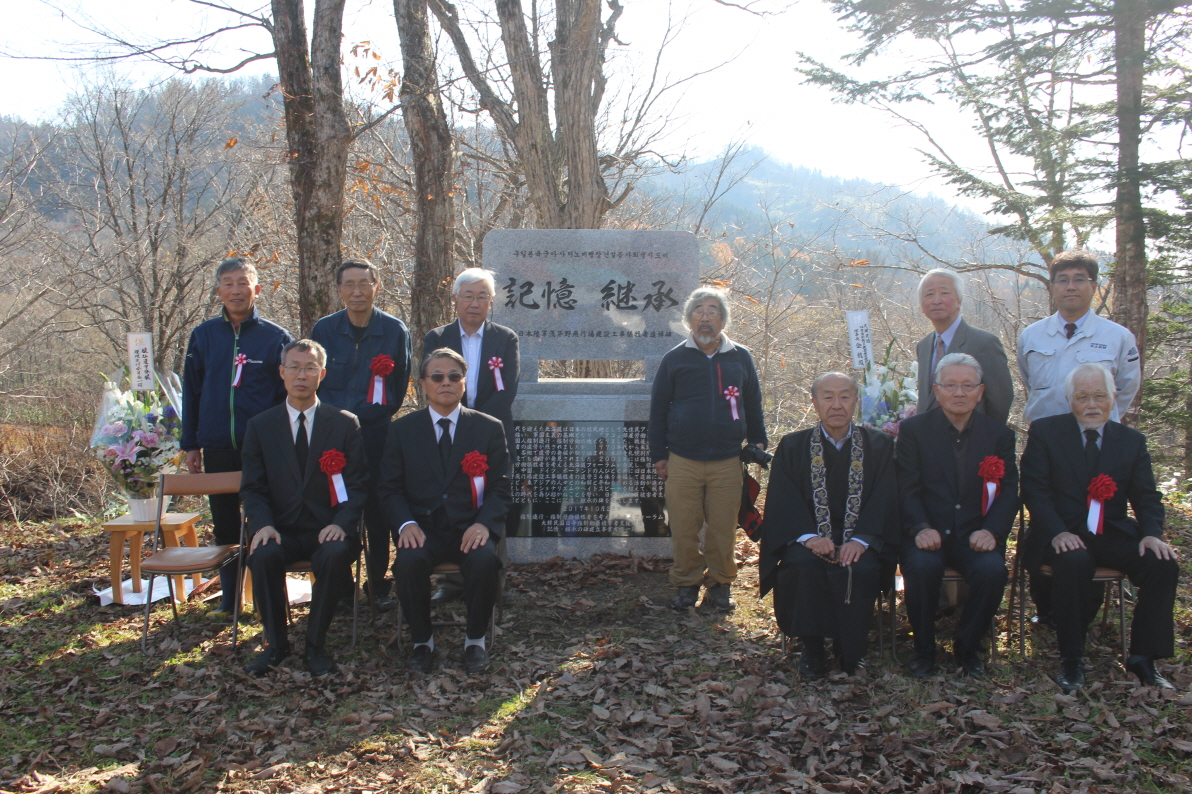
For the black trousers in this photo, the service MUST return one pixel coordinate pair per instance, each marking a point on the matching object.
(810, 595)
(376, 560)
(1152, 632)
(225, 519)
(923, 571)
(480, 569)
(332, 565)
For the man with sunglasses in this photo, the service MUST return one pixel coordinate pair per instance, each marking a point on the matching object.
(1052, 347)
(445, 489)
(368, 372)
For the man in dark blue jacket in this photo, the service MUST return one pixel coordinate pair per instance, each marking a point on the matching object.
(231, 375)
(706, 401)
(368, 372)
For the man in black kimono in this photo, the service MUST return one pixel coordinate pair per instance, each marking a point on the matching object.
(831, 516)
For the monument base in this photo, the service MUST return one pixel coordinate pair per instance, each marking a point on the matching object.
(543, 549)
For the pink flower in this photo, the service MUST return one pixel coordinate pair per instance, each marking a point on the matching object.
(148, 439)
(891, 428)
(910, 411)
(127, 451)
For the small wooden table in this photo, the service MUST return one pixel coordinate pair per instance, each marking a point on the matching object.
(175, 527)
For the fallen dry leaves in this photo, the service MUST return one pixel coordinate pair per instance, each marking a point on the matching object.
(596, 686)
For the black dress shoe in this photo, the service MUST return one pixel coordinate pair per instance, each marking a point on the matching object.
(685, 597)
(475, 659)
(319, 662)
(267, 660)
(422, 660)
(720, 598)
(1144, 668)
(970, 662)
(1071, 674)
(922, 664)
(812, 663)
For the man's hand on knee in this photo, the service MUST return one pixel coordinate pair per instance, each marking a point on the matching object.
(410, 536)
(821, 547)
(851, 552)
(928, 539)
(1161, 549)
(263, 536)
(1066, 541)
(982, 540)
(331, 532)
(475, 537)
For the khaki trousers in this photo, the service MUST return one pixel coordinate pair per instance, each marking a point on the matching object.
(698, 493)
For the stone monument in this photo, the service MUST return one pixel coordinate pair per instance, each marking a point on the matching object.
(583, 483)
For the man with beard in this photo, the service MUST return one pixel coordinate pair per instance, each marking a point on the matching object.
(830, 518)
(706, 401)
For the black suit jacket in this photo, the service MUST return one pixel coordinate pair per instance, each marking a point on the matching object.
(497, 341)
(995, 368)
(1055, 482)
(790, 511)
(275, 492)
(414, 483)
(930, 484)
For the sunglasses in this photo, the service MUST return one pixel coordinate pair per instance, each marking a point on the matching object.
(454, 377)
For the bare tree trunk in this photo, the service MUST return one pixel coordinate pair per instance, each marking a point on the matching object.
(1188, 421)
(1129, 281)
(318, 135)
(432, 151)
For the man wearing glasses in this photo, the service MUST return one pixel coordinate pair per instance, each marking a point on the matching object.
(493, 357)
(445, 490)
(368, 372)
(1052, 347)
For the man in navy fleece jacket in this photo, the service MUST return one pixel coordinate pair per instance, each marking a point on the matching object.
(706, 401)
(231, 375)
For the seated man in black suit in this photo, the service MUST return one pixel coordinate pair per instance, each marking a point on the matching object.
(947, 460)
(1080, 470)
(297, 455)
(445, 491)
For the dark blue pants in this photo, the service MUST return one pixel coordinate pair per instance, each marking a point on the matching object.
(923, 571)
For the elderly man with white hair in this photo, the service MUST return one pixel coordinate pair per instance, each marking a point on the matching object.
(1080, 472)
(493, 355)
(706, 402)
(958, 484)
(941, 293)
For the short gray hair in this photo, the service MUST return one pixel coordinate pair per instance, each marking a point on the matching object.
(957, 282)
(820, 378)
(234, 264)
(1101, 369)
(306, 346)
(702, 294)
(957, 360)
(474, 275)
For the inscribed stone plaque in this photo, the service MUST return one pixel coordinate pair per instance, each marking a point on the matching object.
(599, 295)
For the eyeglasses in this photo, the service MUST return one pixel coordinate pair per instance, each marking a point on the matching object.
(483, 297)
(963, 388)
(293, 369)
(454, 377)
(1085, 397)
(711, 314)
(1079, 281)
(352, 286)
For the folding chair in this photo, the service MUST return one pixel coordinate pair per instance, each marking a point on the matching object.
(494, 620)
(184, 560)
(951, 575)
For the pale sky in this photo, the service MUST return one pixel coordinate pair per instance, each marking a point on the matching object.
(756, 96)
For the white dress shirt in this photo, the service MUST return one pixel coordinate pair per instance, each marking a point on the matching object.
(435, 416)
(310, 419)
(470, 347)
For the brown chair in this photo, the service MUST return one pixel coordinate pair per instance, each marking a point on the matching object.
(494, 620)
(184, 560)
(1110, 576)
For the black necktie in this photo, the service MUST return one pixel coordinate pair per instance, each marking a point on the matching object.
(1071, 329)
(301, 443)
(445, 441)
(1092, 455)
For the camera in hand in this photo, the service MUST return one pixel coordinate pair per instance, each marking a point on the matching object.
(752, 454)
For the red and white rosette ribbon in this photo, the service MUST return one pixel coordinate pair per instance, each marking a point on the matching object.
(240, 360)
(496, 365)
(475, 465)
(380, 366)
(731, 394)
(332, 464)
(1101, 490)
(991, 471)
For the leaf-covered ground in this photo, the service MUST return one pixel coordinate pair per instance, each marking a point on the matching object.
(596, 687)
